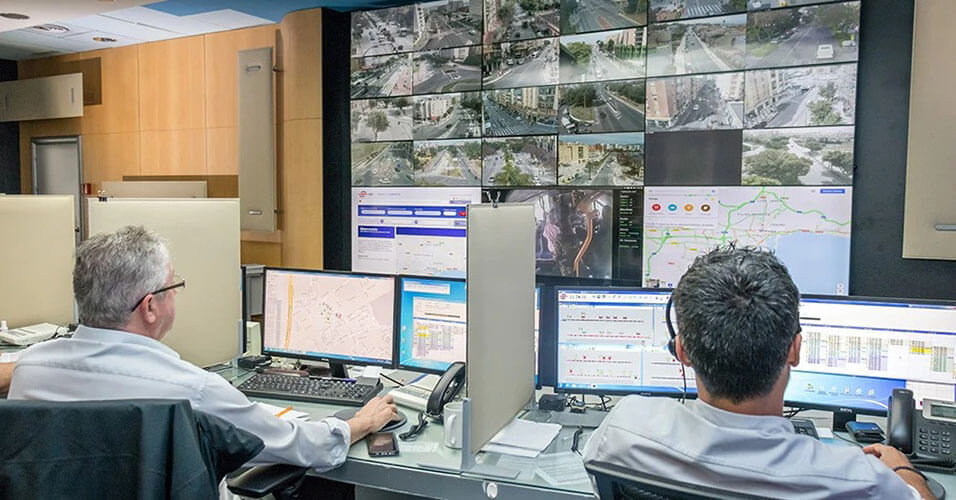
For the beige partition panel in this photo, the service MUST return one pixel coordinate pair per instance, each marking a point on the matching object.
(500, 316)
(154, 189)
(204, 244)
(36, 259)
(929, 220)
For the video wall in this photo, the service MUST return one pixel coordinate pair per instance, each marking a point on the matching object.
(645, 132)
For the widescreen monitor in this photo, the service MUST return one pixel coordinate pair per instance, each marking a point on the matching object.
(855, 351)
(432, 323)
(614, 341)
(329, 316)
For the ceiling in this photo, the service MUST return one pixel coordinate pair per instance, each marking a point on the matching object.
(60, 27)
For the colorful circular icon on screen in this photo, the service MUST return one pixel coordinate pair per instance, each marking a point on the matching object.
(672, 207)
(688, 207)
(705, 208)
(656, 207)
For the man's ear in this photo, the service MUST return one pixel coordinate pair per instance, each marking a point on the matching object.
(148, 309)
(793, 357)
(681, 353)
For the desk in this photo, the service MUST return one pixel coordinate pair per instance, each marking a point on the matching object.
(403, 474)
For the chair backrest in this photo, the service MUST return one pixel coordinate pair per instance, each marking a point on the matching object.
(614, 482)
(121, 448)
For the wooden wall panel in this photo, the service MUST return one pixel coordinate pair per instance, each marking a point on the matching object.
(301, 187)
(301, 65)
(257, 252)
(220, 79)
(119, 111)
(108, 157)
(171, 84)
(222, 151)
(173, 152)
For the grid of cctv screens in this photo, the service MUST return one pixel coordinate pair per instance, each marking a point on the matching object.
(412, 322)
(608, 340)
(664, 126)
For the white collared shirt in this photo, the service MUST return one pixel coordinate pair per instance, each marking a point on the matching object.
(98, 364)
(761, 455)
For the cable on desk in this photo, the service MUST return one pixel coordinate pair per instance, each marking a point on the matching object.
(847, 440)
(400, 384)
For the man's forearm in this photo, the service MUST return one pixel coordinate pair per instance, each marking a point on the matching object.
(359, 427)
(917, 482)
(6, 374)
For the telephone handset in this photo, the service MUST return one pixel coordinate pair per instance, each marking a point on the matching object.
(928, 434)
(446, 389)
(899, 420)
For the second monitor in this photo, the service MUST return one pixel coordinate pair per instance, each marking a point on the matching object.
(336, 317)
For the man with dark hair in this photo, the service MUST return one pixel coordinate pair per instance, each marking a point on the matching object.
(738, 326)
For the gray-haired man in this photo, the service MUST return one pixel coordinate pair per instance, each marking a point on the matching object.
(125, 290)
(739, 328)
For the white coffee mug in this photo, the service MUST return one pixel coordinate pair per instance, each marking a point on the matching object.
(452, 422)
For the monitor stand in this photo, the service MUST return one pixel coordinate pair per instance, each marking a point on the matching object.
(841, 417)
(338, 370)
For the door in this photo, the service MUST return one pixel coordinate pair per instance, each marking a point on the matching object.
(58, 169)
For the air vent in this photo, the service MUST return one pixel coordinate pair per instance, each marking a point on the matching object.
(45, 53)
(51, 28)
(103, 39)
(14, 15)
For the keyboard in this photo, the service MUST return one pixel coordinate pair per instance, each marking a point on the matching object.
(345, 392)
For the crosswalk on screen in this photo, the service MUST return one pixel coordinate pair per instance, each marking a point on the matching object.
(736, 118)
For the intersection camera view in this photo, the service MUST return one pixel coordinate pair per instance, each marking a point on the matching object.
(519, 161)
(521, 111)
(601, 107)
(447, 70)
(669, 10)
(698, 46)
(608, 55)
(601, 160)
(582, 16)
(382, 76)
(447, 116)
(589, 108)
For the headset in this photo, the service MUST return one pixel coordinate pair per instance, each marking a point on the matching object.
(672, 343)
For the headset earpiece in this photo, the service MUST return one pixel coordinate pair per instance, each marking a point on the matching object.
(672, 343)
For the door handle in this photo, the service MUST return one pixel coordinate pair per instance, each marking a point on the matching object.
(945, 227)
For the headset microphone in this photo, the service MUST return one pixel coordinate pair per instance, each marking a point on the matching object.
(672, 343)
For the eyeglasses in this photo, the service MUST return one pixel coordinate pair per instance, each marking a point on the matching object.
(178, 282)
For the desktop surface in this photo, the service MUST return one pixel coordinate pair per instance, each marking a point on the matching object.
(403, 472)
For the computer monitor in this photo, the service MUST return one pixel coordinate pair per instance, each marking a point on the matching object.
(856, 350)
(614, 341)
(432, 323)
(329, 316)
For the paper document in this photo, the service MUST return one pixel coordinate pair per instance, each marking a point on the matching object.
(9, 357)
(523, 438)
(284, 413)
(560, 469)
(372, 372)
(825, 432)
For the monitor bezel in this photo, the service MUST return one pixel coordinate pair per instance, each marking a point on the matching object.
(396, 341)
(330, 358)
(790, 403)
(669, 392)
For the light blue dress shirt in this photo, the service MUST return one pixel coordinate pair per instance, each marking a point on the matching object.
(99, 364)
(761, 455)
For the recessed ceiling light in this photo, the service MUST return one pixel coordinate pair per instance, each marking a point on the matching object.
(51, 28)
(14, 15)
(104, 39)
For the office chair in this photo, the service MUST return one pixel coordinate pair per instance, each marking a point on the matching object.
(122, 449)
(619, 483)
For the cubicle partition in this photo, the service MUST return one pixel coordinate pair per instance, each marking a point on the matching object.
(203, 240)
(36, 259)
